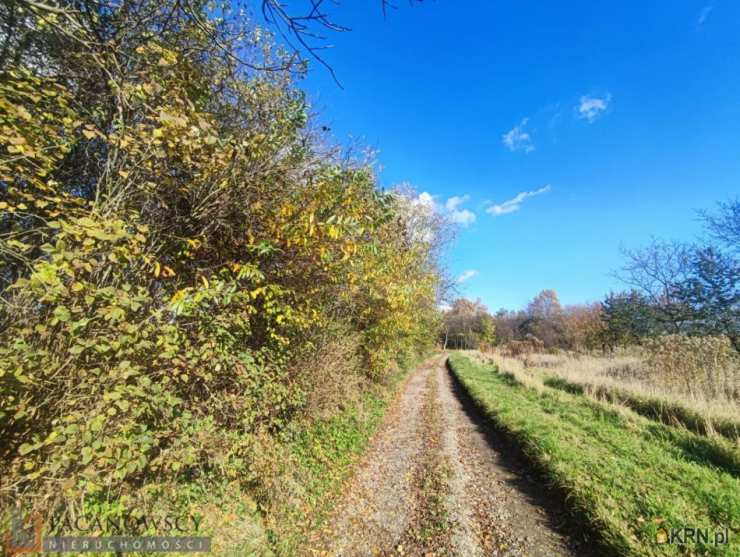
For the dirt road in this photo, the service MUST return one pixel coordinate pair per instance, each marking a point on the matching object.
(437, 481)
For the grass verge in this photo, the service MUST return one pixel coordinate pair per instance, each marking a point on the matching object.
(627, 478)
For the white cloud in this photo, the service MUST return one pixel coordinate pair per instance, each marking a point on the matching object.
(515, 203)
(452, 208)
(424, 199)
(421, 211)
(517, 139)
(592, 107)
(704, 14)
(454, 202)
(466, 275)
(463, 217)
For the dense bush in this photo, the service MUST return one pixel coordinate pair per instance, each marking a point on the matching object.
(185, 269)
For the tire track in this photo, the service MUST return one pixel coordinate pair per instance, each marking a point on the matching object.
(437, 481)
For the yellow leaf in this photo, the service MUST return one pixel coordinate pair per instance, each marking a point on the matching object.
(179, 295)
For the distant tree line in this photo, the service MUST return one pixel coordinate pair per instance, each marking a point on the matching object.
(468, 325)
(546, 321)
(674, 288)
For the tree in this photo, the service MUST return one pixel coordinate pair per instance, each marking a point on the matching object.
(686, 289)
(628, 318)
(583, 326)
(468, 325)
(724, 226)
(657, 271)
(713, 292)
(544, 319)
(307, 26)
(506, 326)
(545, 306)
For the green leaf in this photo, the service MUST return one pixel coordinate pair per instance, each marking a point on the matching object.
(62, 314)
(25, 448)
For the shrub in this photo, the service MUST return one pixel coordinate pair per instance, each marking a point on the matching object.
(529, 345)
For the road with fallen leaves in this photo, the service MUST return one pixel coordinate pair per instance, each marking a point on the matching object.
(438, 481)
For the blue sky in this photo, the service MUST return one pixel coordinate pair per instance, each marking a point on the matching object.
(561, 131)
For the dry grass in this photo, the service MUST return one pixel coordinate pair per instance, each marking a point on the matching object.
(704, 367)
(629, 372)
(509, 364)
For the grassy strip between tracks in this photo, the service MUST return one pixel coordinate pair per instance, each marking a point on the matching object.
(627, 478)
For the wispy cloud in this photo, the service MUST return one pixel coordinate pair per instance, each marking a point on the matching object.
(455, 201)
(466, 275)
(515, 203)
(517, 139)
(457, 214)
(705, 11)
(452, 208)
(591, 108)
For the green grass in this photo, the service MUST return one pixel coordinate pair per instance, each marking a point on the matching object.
(625, 477)
(671, 413)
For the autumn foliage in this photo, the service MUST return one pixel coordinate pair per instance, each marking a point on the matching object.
(176, 245)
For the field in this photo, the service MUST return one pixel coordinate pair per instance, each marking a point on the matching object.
(626, 380)
(625, 476)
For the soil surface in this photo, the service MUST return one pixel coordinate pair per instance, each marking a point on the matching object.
(437, 480)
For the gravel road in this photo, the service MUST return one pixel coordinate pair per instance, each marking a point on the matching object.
(438, 481)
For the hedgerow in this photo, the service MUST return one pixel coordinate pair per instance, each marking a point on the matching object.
(176, 244)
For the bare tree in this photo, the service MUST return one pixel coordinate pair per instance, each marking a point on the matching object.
(658, 271)
(304, 29)
(725, 225)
